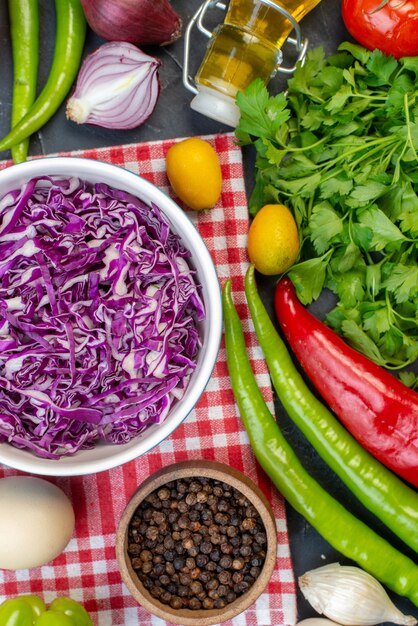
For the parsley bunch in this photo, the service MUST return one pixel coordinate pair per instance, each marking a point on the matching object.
(340, 148)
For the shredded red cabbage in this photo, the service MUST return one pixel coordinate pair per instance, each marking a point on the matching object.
(98, 316)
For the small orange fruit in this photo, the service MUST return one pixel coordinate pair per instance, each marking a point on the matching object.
(273, 240)
(194, 172)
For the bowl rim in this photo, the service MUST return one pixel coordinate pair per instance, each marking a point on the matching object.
(218, 471)
(90, 169)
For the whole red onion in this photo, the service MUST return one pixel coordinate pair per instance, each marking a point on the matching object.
(137, 21)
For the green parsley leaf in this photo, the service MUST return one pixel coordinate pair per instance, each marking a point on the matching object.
(358, 52)
(393, 341)
(346, 257)
(361, 341)
(384, 231)
(324, 225)
(381, 67)
(303, 186)
(349, 286)
(260, 114)
(377, 319)
(338, 100)
(364, 194)
(338, 186)
(373, 279)
(403, 282)
(302, 81)
(314, 270)
(409, 379)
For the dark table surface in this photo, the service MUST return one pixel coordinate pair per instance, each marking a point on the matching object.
(174, 118)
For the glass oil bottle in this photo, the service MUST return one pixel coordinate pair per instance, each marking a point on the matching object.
(247, 45)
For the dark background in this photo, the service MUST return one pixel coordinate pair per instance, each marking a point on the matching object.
(171, 118)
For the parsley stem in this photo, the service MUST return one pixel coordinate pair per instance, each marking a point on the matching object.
(388, 158)
(378, 143)
(375, 150)
(362, 96)
(408, 125)
(302, 148)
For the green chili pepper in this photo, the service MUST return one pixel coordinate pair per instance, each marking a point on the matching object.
(347, 534)
(379, 490)
(72, 609)
(69, 43)
(24, 29)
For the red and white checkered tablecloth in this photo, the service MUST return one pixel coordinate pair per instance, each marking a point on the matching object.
(87, 570)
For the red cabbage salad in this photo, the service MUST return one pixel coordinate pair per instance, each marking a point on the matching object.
(99, 316)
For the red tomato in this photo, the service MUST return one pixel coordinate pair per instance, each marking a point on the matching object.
(392, 28)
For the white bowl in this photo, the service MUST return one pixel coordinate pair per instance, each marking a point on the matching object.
(105, 456)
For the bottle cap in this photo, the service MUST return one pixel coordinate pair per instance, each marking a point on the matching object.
(216, 105)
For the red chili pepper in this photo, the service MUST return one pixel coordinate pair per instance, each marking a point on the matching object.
(378, 410)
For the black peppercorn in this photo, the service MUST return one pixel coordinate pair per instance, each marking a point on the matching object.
(163, 493)
(194, 604)
(159, 569)
(145, 555)
(225, 562)
(165, 579)
(183, 506)
(196, 587)
(170, 569)
(193, 551)
(212, 584)
(183, 591)
(190, 563)
(207, 603)
(147, 567)
(202, 560)
(134, 549)
(215, 555)
(176, 602)
(206, 547)
(195, 573)
(185, 579)
(245, 551)
(188, 543)
(197, 543)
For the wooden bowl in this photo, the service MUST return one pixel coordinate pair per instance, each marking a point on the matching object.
(216, 471)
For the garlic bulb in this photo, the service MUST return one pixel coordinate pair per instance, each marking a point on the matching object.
(350, 596)
(117, 87)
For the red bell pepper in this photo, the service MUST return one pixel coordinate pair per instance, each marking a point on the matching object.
(378, 410)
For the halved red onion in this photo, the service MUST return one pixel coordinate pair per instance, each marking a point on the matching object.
(117, 87)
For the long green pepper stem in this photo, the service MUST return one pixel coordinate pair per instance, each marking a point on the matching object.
(347, 534)
(69, 43)
(24, 30)
(379, 490)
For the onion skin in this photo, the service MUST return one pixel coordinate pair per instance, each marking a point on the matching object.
(143, 22)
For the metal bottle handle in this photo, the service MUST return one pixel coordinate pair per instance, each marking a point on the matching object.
(298, 42)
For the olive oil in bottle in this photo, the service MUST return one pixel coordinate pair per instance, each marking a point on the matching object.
(246, 46)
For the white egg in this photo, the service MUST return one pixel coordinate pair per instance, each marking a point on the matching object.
(36, 522)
